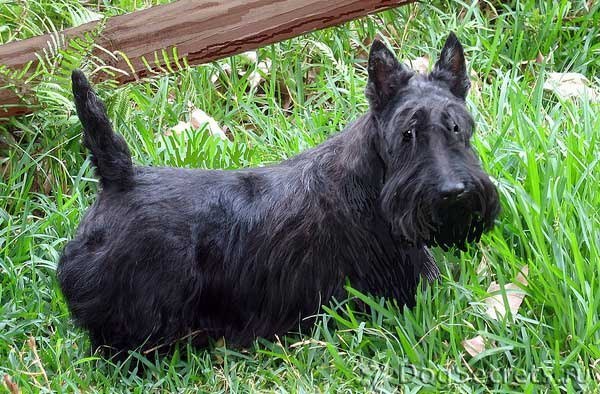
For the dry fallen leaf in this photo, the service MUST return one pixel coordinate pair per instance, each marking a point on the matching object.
(178, 128)
(497, 309)
(514, 295)
(420, 64)
(250, 56)
(474, 346)
(225, 67)
(199, 119)
(568, 85)
(539, 59)
(256, 76)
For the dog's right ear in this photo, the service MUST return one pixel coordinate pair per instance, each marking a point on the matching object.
(451, 67)
(386, 75)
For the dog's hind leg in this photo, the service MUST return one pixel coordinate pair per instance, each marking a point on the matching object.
(110, 153)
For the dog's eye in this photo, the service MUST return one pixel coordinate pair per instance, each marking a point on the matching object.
(408, 134)
(455, 129)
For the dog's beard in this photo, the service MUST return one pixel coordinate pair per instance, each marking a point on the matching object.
(403, 206)
(418, 217)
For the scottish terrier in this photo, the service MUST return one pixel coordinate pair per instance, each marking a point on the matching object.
(166, 253)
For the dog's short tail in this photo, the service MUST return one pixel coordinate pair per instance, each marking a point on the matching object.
(110, 153)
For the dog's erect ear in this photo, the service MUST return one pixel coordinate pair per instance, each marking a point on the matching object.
(386, 75)
(451, 67)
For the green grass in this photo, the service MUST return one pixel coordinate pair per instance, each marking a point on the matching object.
(541, 151)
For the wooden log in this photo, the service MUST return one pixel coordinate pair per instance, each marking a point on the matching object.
(200, 30)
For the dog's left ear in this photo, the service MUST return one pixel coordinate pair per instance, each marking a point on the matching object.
(451, 67)
(386, 75)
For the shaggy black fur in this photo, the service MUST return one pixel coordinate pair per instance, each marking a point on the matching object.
(164, 252)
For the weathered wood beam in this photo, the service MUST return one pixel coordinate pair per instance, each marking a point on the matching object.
(200, 30)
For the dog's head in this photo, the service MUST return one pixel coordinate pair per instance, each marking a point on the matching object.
(435, 191)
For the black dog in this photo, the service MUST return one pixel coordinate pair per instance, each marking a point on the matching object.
(166, 252)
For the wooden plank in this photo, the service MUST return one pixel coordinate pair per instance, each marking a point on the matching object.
(200, 30)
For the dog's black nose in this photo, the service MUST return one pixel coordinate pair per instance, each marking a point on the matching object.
(451, 190)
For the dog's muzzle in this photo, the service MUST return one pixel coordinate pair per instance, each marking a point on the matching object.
(462, 214)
